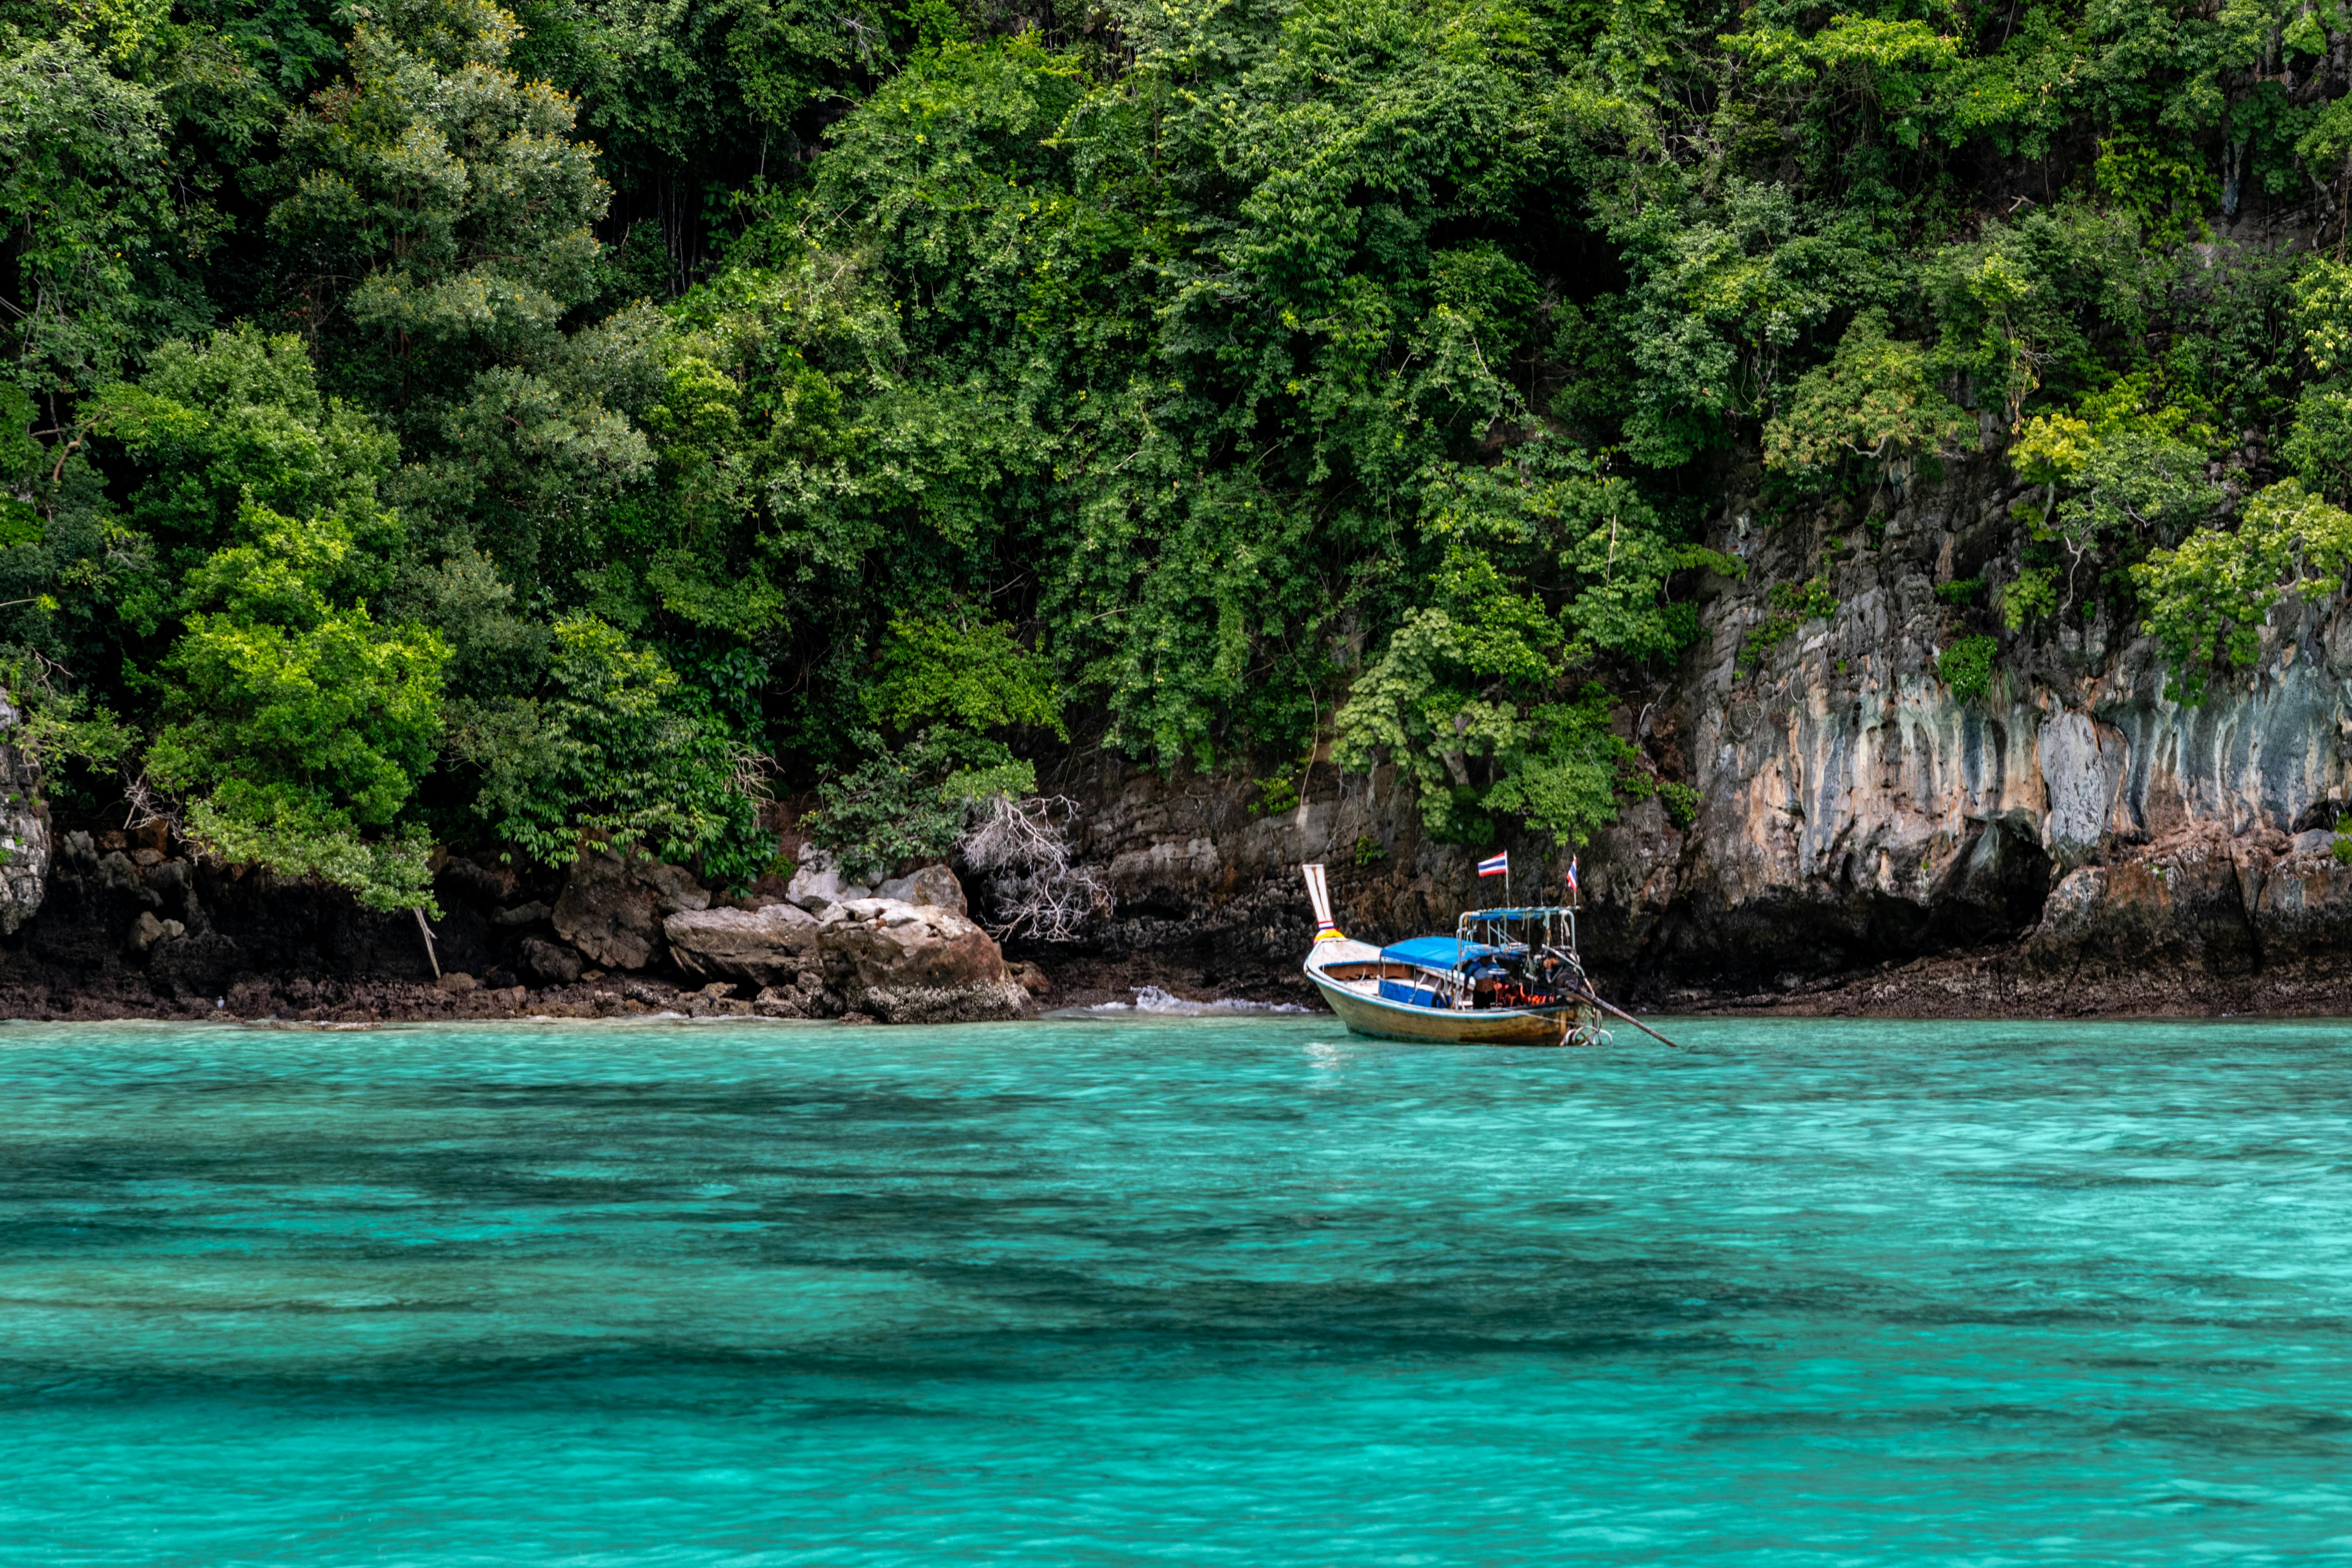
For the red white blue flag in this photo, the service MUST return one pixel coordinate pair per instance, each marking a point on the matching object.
(1500, 866)
(1571, 874)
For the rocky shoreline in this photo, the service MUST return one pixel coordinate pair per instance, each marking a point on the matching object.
(1855, 837)
(2000, 983)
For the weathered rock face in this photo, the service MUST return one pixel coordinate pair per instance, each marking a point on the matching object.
(612, 906)
(1854, 811)
(768, 946)
(887, 958)
(911, 964)
(24, 828)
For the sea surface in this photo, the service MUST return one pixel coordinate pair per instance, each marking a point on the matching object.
(1143, 1288)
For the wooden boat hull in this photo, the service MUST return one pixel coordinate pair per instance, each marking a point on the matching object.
(1396, 1021)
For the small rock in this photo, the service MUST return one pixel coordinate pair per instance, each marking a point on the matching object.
(456, 983)
(145, 858)
(145, 933)
(719, 988)
(520, 915)
(553, 963)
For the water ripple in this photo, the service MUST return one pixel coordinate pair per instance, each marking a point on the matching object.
(1227, 1289)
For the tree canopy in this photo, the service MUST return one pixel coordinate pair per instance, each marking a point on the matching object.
(433, 422)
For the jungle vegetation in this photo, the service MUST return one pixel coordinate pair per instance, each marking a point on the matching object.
(429, 423)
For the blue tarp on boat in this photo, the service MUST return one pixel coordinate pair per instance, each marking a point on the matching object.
(1436, 952)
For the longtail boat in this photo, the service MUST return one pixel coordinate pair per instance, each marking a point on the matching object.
(1510, 976)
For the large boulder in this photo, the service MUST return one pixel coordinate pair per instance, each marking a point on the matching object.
(612, 905)
(2183, 904)
(2304, 912)
(903, 960)
(912, 964)
(771, 945)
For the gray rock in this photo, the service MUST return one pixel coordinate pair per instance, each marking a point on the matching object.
(146, 931)
(934, 887)
(817, 884)
(907, 963)
(768, 946)
(520, 915)
(24, 828)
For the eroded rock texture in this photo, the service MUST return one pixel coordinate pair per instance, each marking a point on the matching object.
(1854, 811)
(908, 957)
(24, 828)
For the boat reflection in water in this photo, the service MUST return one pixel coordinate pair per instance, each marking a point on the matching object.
(1509, 976)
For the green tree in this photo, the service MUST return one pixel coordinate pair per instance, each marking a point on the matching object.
(1876, 400)
(295, 725)
(616, 746)
(84, 191)
(1484, 699)
(2207, 601)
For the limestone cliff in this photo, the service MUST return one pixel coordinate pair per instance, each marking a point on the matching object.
(24, 827)
(1854, 809)
(1855, 813)
(2068, 839)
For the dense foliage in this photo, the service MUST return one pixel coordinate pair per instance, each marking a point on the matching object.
(431, 423)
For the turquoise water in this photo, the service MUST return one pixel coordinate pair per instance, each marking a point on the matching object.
(1239, 1291)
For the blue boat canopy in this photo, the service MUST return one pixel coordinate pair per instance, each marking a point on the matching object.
(1438, 951)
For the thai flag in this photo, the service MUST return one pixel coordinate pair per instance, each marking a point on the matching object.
(1571, 874)
(1500, 866)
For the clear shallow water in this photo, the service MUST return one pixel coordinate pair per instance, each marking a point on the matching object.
(1204, 1291)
